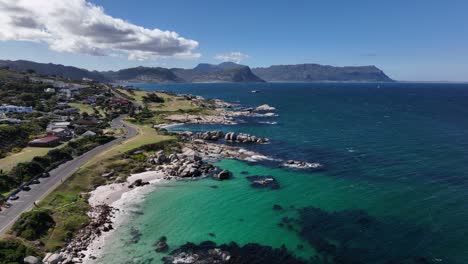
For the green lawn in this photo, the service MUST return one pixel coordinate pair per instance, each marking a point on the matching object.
(86, 108)
(25, 155)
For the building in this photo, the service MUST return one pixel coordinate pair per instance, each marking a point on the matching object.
(49, 90)
(62, 133)
(6, 120)
(10, 109)
(88, 133)
(54, 125)
(45, 142)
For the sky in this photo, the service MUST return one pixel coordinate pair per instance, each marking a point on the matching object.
(410, 40)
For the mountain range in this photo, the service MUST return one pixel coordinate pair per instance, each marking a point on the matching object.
(204, 72)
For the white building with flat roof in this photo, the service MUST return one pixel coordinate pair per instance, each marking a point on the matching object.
(9, 109)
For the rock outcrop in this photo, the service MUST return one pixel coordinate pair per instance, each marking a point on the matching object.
(224, 175)
(244, 138)
(303, 165)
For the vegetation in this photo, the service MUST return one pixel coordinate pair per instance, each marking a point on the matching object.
(152, 98)
(34, 224)
(25, 171)
(67, 202)
(13, 251)
(25, 155)
(16, 137)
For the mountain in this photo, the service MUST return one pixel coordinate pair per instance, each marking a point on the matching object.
(317, 72)
(224, 72)
(52, 69)
(204, 72)
(143, 74)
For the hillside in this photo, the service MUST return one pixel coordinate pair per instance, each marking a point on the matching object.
(224, 72)
(143, 74)
(69, 72)
(316, 72)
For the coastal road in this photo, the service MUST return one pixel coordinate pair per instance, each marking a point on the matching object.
(38, 191)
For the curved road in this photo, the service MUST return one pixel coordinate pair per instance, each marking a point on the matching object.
(38, 191)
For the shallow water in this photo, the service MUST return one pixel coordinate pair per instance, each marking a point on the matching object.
(394, 188)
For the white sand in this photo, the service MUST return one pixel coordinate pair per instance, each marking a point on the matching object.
(119, 196)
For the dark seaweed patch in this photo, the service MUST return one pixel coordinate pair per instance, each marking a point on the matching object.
(353, 236)
(209, 252)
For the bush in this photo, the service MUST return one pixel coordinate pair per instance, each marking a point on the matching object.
(33, 224)
(153, 98)
(12, 251)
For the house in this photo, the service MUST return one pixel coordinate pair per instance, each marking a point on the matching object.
(66, 111)
(49, 90)
(90, 121)
(9, 109)
(91, 99)
(116, 102)
(6, 120)
(54, 125)
(62, 133)
(88, 133)
(45, 142)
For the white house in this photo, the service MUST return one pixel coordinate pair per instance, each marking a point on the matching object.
(49, 90)
(7, 109)
(56, 125)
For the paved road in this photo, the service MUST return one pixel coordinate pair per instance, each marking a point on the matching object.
(38, 191)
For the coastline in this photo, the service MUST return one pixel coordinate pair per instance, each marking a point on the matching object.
(198, 151)
(122, 199)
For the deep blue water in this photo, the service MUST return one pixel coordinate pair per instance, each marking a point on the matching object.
(394, 137)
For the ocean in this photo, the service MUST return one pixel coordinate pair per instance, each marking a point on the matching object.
(395, 186)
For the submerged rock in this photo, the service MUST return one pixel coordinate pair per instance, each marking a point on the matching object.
(277, 207)
(223, 175)
(263, 182)
(161, 245)
(208, 252)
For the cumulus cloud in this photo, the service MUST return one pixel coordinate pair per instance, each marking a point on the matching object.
(236, 57)
(81, 27)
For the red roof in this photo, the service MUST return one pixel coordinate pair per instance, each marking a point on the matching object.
(46, 139)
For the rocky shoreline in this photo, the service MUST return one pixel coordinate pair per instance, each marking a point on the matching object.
(192, 161)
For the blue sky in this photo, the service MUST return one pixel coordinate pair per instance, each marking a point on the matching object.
(409, 40)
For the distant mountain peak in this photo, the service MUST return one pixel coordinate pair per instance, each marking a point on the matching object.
(309, 72)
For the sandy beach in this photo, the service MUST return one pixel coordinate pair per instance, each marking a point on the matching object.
(123, 199)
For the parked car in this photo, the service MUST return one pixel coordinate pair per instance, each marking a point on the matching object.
(7, 205)
(26, 188)
(35, 181)
(14, 197)
(45, 175)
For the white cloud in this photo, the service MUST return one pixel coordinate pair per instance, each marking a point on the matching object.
(236, 57)
(81, 27)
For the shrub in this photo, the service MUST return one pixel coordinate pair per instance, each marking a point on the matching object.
(33, 224)
(153, 98)
(12, 251)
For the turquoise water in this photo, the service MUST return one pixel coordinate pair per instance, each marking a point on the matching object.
(395, 187)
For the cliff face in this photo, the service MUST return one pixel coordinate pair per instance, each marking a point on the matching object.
(224, 72)
(316, 72)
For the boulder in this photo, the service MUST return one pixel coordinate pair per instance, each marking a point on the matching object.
(265, 107)
(223, 175)
(161, 246)
(53, 258)
(31, 260)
